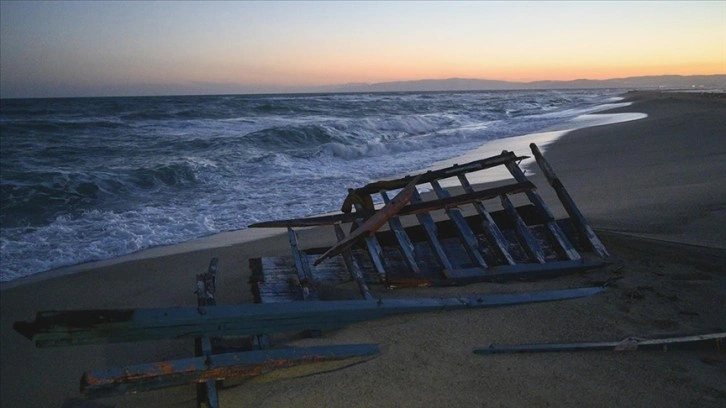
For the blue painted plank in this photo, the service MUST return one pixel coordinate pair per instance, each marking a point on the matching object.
(62, 328)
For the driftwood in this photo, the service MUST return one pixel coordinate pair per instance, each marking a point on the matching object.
(716, 341)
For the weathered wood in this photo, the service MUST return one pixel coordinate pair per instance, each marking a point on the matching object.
(471, 243)
(715, 341)
(63, 328)
(528, 241)
(152, 376)
(556, 233)
(490, 227)
(353, 268)
(372, 224)
(305, 277)
(430, 227)
(413, 209)
(204, 346)
(453, 171)
(582, 225)
(403, 242)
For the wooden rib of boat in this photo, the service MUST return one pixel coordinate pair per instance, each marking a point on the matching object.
(456, 235)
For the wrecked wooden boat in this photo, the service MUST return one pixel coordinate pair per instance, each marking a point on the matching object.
(213, 327)
(451, 237)
(524, 241)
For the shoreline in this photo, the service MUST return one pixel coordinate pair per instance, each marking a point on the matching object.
(518, 144)
(654, 288)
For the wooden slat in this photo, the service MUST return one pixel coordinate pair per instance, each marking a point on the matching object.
(429, 176)
(528, 240)
(471, 243)
(712, 341)
(65, 328)
(412, 209)
(352, 265)
(307, 284)
(152, 376)
(374, 222)
(490, 227)
(504, 272)
(556, 233)
(581, 224)
(403, 241)
(430, 227)
(206, 288)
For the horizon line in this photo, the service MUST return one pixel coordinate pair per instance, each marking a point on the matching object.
(349, 87)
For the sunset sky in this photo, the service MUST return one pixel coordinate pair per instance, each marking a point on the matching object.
(63, 48)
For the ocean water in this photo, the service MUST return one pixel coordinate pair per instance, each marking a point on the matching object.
(85, 179)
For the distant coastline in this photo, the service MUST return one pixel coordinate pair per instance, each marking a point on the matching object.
(470, 84)
(655, 82)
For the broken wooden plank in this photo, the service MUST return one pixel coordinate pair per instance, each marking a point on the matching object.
(502, 273)
(305, 277)
(204, 346)
(412, 209)
(528, 241)
(716, 341)
(64, 328)
(403, 241)
(429, 225)
(152, 376)
(563, 244)
(490, 227)
(352, 265)
(372, 224)
(576, 216)
(470, 241)
(453, 171)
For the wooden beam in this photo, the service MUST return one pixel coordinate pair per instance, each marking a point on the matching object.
(204, 346)
(470, 241)
(305, 277)
(352, 265)
(412, 209)
(490, 227)
(152, 376)
(404, 242)
(64, 328)
(568, 203)
(453, 171)
(430, 227)
(562, 244)
(372, 224)
(529, 243)
(714, 341)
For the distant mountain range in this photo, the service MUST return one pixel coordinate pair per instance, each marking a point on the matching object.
(468, 84)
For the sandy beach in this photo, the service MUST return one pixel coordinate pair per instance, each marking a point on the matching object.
(654, 189)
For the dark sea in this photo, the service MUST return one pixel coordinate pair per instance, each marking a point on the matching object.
(86, 179)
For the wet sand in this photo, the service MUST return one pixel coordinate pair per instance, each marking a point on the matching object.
(655, 191)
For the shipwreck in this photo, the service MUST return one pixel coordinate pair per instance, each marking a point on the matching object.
(448, 236)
